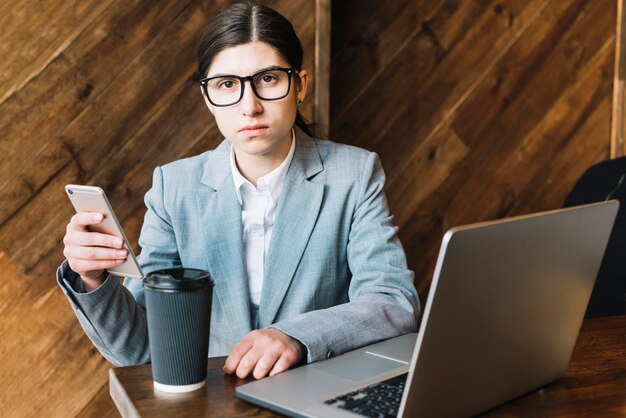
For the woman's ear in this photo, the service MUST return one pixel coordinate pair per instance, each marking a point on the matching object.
(302, 84)
(206, 100)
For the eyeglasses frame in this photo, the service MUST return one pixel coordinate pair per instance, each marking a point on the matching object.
(290, 73)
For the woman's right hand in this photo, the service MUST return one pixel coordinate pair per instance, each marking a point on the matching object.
(91, 253)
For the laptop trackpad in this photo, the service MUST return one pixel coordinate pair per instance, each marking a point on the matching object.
(360, 366)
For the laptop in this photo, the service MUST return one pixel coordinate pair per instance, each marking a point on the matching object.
(501, 319)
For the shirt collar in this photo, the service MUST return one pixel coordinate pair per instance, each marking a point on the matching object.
(273, 180)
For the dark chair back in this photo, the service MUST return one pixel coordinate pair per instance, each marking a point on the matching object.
(604, 181)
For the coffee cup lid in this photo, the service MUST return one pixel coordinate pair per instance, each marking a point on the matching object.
(178, 279)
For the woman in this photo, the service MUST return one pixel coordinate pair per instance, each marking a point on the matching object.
(294, 231)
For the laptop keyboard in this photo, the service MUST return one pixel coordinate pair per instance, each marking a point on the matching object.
(380, 400)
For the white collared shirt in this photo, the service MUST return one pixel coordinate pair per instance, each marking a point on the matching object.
(258, 210)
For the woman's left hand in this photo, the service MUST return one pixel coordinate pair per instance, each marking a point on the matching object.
(263, 352)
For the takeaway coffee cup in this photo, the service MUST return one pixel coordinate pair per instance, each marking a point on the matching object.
(178, 309)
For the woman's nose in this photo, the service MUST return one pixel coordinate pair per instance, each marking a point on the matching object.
(250, 104)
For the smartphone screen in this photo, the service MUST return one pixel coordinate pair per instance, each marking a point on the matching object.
(93, 199)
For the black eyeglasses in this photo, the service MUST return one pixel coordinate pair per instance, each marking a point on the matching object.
(227, 90)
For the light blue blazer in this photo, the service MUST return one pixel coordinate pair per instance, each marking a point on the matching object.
(336, 276)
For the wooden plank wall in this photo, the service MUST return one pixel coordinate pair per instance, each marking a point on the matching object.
(95, 92)
(478, 109)
(618, 124)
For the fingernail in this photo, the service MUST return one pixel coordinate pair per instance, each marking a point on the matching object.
(117, 242)
(97, 217)
(121, 253)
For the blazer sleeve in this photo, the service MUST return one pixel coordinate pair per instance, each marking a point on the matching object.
(110, 317)
(113, 316)
(383, 302)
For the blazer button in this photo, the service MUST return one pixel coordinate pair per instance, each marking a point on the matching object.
(330, 354)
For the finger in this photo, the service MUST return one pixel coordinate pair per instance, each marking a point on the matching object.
(82, 219)
(266, 363)
(287, 359)
(236, 354)
(248, 362)
(82, 266)
(94, 253)
(92, 239)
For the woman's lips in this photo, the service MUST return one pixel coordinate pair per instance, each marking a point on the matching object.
(254, 130)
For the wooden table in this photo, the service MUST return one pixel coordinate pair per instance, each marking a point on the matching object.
(134, 395)
(594, 385)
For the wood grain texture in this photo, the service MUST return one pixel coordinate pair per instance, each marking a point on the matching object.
(134, 394)
(618, 124)
(322, 66)
(478, 110)
(97, 93)
(100, 406)
(594, 383)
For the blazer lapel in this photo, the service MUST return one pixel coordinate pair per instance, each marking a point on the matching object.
(221, 231)
(296, 214)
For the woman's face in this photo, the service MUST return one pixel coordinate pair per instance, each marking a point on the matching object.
(255, 127)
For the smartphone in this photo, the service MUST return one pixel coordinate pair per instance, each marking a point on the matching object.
(93, 199)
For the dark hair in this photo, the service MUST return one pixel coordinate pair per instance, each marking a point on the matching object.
(245, 22)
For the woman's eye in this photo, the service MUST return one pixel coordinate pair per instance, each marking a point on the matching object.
(226, 84)
(267, 78)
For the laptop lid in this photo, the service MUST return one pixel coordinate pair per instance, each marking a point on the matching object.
(503, 312)
(504, 309)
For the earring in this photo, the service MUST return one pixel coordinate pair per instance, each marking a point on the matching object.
(298, 102)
